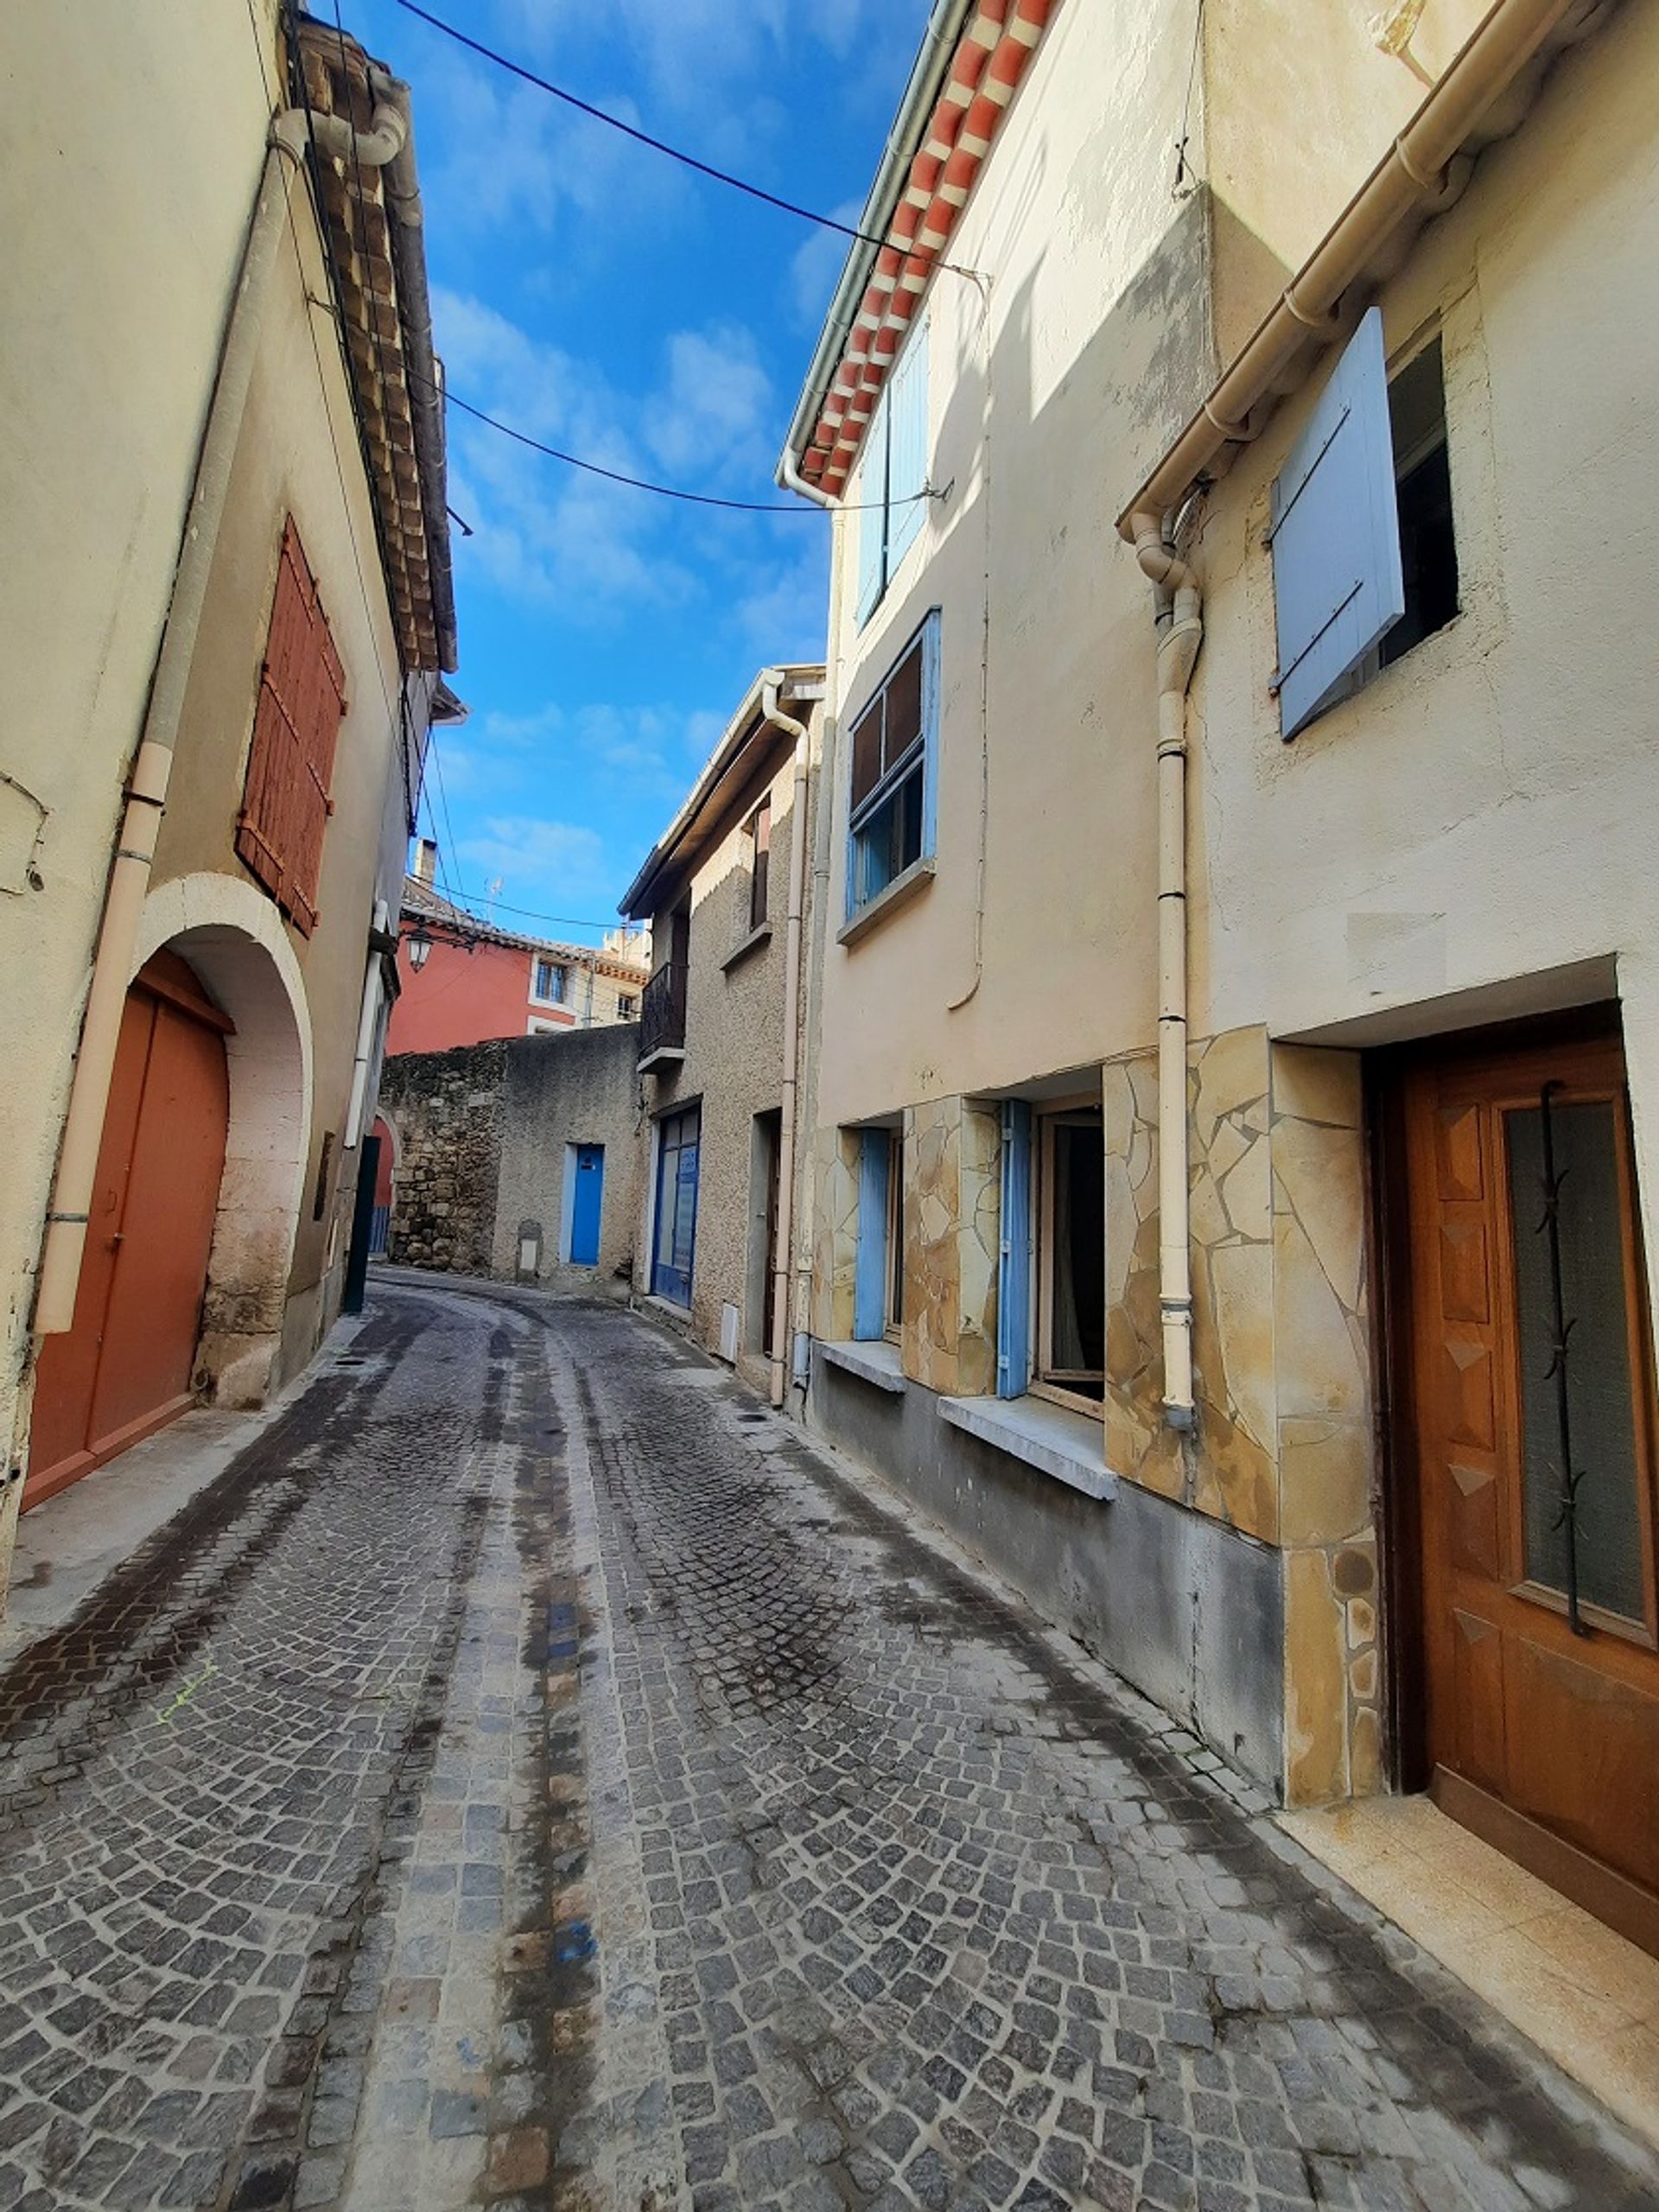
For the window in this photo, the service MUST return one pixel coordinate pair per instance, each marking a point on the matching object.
(285, 802)
(1364, 559)
(891, 495)
(1051, 1276)
(550, 983)
(757, 844)
(893, 740)
(674, 1235)
(879, 1264)
(1422, 480)
(626, 1007)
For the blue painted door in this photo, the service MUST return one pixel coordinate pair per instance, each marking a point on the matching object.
(584, 1218)
(678, 1149)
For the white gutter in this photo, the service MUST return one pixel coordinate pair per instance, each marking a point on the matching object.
(775, 718)
(927, 74)
(1483, 95)
(1180, 632)
(373, 992)
(134, 849)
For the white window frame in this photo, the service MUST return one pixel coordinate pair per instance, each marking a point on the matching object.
(561, 968)
(922, 757)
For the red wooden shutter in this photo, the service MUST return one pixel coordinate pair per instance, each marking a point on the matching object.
(285, 802)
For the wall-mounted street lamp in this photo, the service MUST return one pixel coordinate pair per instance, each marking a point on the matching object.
(419, 942)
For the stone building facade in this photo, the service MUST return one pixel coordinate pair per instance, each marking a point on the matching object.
(490, 1141)
(719, 1223)
(1208, 1017)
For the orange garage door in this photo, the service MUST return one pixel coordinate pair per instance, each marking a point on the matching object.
(125, 1368)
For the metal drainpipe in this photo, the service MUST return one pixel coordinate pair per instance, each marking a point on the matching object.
(1180, 626)
(134, 849)
(776, 719)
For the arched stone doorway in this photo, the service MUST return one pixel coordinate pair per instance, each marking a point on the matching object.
(185, 1279)
(234, 939)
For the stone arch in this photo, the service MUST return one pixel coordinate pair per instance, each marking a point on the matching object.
(232, 936)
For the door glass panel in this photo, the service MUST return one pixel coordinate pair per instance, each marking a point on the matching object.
(1077, 1263)
(1596, 1398)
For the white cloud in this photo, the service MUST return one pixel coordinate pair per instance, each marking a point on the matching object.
(561, 864)
(816, 264)
(715, 408)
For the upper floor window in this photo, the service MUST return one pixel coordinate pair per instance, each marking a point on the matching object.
(551, 983)
(892, 494)
(285, 800)
(1364, 555)
(626, 1007)
(895, 743)
(756, 847)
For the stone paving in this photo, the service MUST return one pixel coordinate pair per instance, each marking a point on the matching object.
(534, 1776)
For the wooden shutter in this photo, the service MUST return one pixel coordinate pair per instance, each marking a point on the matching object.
(872, 518)
(285, 801)
(1013, 1268)
(907, 448)
(870, 1268)
(1337, 579)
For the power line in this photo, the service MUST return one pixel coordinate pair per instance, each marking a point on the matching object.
(644, 484)
(657, 145)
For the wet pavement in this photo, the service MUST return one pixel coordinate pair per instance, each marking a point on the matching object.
(532, 1774)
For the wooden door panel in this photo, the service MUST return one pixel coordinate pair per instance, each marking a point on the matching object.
(1477, 1704)
(1471, 1503)
(155, 1307)
(67, 1375)
(1559, 1727)
(1467, 1393)
(1584, 1756)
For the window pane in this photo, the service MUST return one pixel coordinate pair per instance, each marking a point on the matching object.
(1601, 1424)
(903, 695)
(685, 1206)
(892, 839)
(866, 752)
(1077, 1263)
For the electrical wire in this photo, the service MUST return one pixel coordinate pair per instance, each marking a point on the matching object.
(656, 145)
(644, 484)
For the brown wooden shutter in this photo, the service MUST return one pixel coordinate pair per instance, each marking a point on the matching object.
(285, 802)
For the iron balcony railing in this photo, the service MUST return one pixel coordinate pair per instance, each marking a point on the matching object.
(662, 1011)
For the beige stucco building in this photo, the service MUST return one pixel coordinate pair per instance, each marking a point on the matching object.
(730, 891)
(225, 546)
(1243, 1368)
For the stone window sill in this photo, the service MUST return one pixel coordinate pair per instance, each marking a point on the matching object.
(745, 946)
(1066, 1445)
(899, 893)
(874, 1361)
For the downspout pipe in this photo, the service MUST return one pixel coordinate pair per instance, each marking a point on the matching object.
(775, 718)
(1180, 632)
(64, 1240)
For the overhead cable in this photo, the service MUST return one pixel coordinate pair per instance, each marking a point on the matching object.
(662, 491)
(644, 138)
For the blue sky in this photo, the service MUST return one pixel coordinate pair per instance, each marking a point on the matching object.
(613, 303)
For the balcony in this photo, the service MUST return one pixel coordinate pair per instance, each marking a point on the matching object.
(662, 1018)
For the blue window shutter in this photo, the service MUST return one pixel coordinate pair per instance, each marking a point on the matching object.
(870, 1272)
(931, 730)
(872, 518)
(1337, 579)
(1014, 1269)
(907, 466)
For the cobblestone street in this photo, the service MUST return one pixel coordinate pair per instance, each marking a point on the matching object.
(533, 1775)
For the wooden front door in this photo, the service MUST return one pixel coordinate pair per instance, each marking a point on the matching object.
(125, 1367)
(1532, 1446)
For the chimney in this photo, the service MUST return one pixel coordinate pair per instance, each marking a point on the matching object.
(426, 861)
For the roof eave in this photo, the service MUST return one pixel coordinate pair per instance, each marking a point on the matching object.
(1471, 106)
(642, 896)
(945, 28)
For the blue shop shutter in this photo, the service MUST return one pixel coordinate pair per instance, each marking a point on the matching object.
(907, 466)
(1337, 580)
(870, 1272)
(1014, 1269)
(872, 518)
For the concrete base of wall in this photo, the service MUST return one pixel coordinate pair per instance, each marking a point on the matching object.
(1189, 1611)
